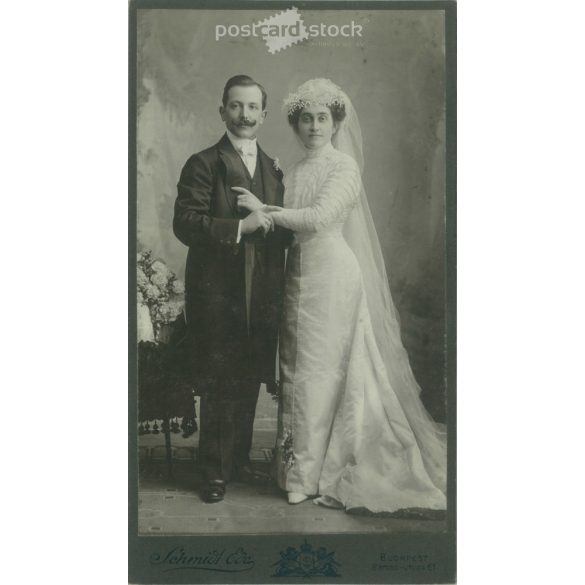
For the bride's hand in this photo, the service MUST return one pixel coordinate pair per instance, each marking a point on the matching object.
(248, 200)
(272, 208)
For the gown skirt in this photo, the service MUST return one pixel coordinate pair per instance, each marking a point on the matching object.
(342, 432)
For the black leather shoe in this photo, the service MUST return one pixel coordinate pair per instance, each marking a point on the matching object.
(213, 491)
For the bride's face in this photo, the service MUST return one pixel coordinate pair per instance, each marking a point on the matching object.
(316, 126)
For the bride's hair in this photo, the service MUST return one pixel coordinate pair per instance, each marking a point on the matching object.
(337, 113)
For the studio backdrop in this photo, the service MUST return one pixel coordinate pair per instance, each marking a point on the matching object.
(392, 66)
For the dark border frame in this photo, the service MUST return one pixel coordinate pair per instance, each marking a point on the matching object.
(356, 553)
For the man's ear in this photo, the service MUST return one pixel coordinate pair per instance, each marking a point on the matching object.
(222, 112)
(262, 116)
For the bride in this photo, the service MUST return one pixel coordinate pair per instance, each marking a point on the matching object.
(351, 427)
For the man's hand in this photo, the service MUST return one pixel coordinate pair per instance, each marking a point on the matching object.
(257, 220)
(247, 199)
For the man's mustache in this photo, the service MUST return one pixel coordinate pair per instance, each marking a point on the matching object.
(246, 123)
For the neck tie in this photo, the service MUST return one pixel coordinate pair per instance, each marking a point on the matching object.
(248, 154)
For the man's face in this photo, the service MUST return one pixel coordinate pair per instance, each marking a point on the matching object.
(243, 113)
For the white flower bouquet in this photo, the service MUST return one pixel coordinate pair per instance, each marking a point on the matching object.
(159, 289)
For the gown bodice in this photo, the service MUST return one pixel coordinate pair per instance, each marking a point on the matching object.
(320, 191)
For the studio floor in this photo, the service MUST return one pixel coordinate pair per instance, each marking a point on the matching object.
(172, 505)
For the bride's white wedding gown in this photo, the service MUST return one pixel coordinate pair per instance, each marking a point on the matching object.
(342, 432)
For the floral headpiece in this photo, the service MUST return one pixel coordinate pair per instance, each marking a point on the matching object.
(315, 91)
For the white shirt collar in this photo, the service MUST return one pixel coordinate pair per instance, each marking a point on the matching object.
(247, 145)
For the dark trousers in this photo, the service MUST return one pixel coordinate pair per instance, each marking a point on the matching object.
(226, 426)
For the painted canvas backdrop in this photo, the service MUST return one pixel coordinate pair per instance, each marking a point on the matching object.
(394, 75)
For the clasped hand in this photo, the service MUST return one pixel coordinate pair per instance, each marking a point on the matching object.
(258, 218)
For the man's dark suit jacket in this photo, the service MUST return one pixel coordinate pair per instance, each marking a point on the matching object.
(220, 343)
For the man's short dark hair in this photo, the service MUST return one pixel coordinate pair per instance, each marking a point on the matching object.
(243, 80)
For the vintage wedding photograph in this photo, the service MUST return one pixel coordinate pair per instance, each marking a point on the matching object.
(350, 348)
(292, 329)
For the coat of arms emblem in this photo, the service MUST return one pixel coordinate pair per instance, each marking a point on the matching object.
(306, 562)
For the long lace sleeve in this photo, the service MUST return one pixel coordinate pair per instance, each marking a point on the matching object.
(336, 197)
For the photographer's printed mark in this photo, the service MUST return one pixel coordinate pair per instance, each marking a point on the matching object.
(222, 561)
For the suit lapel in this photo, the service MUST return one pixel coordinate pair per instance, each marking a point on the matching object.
(234, 171)
(271, 178)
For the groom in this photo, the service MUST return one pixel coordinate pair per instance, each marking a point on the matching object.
(234, 283)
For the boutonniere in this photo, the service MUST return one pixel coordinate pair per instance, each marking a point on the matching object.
(276, 164)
